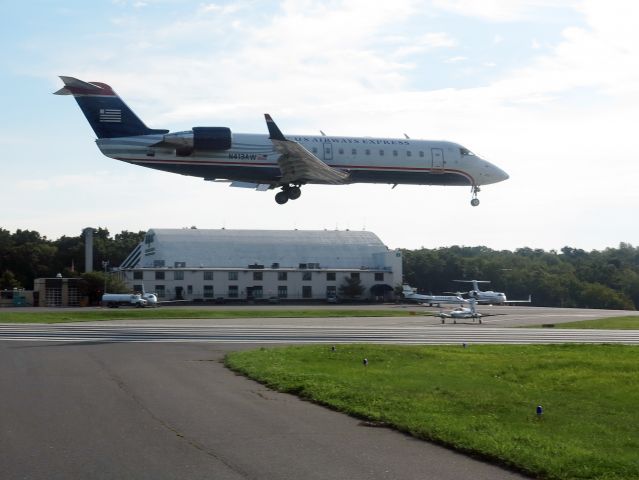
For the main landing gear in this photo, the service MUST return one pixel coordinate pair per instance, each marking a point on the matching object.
(288, 193)
(475, 201)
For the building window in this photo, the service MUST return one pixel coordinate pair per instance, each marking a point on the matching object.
(257, 275)
(208, 275)
(355, 275)
(282, 291)
(178, 275)
(258, 292)
(331, 291)
(283, 276)
(330, 276)
(233, 291)
(379, 277)
(307, 276)
(232, 275)
(307, 291)
(158, 263)
(159, 291)
(138, 275)
(208, 291)
(159, 275)
(189, 289)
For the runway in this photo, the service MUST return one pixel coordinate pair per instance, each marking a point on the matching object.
(302, 334)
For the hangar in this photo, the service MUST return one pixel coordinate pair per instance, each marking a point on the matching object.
(220, 264)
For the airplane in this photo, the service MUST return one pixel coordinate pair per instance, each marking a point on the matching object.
(409, 294)
(266, 162)
(489, 296)
(462, 313)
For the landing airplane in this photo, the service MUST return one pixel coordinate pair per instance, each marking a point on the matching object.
(273, 161)
(489, 296)
(409, 294)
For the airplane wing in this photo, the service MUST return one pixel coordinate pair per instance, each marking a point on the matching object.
(297, 164)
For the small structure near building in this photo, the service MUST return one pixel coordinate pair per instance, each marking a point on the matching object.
(253, 265)
(16, 298)
(59, 292)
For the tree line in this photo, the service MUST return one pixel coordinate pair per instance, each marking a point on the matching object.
(26, 255)
(567, 278)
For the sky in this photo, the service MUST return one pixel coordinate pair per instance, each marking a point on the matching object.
(547, 90)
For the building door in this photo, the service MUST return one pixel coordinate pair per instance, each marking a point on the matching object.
(438, 160)
(178, 293)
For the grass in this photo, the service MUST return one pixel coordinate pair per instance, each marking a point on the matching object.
(480, 399)
(612, 323)
(162, 313)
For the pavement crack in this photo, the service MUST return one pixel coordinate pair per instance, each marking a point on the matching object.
(190, 441)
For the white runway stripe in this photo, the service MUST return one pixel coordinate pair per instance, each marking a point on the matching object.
(431, 335)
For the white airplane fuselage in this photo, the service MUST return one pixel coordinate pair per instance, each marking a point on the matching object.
(253, 158)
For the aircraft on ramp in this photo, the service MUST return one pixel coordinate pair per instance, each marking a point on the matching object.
(273, 161)
(489, 296)
(409, 294)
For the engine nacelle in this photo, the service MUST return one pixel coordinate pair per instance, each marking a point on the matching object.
(211, 138)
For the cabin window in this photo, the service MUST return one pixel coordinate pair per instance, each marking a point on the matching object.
(394, 153)
(367, 151)
(409, 153)
(381, 153)
(341, 151)
(315, 150)
(421, 154)
(354, 151)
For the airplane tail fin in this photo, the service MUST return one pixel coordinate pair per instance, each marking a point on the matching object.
(107, 114)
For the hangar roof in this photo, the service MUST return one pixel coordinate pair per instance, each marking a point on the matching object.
(240, 248)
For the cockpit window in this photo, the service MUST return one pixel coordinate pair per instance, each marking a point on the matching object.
(465, 151)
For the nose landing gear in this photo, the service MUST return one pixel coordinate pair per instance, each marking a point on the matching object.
(475, 201)
(289, 192)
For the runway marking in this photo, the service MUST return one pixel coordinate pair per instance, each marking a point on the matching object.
(426, 335)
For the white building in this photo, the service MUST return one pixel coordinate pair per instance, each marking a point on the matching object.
(194, 264)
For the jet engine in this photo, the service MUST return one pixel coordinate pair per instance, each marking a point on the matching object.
(200, 138)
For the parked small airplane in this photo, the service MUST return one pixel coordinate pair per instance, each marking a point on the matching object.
(489, 296)
(264, 162)
(409, 294)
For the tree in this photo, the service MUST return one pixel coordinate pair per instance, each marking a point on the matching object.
(8, 281)
(351, 287)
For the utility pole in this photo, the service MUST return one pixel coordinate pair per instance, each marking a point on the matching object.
(105, 264)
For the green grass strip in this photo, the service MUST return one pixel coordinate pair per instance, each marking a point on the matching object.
(163, 313)
(612, 323)
(480, 399)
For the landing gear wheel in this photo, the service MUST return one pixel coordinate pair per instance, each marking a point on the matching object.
(475, 201)
(281, 197)
(294, 193)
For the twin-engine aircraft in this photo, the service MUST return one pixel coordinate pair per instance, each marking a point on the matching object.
(489, 296)
(274, 161)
